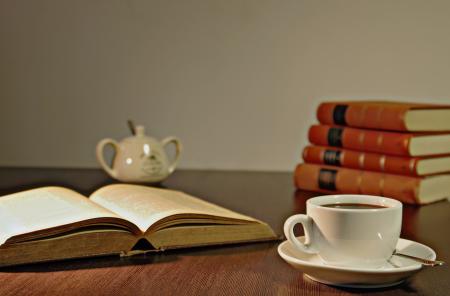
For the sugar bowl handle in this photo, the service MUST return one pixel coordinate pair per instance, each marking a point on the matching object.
(178, 149)
(100, 146)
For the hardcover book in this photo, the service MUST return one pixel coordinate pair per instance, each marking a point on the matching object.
(396, 116)
(53, 223)
(411, 166)
(332, 180)
(401, 144)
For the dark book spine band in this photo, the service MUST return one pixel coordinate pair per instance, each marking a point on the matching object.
(339, 114)
(332, 157)
(327, 179)
(335, 136)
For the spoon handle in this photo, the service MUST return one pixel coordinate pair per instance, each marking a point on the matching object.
(426, 262)
(131, 126)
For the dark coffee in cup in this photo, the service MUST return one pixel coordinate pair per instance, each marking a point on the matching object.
(354, 206)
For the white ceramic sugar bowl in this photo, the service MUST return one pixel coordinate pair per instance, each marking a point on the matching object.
(139, 158)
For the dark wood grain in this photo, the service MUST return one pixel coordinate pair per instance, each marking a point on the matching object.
(246, 269)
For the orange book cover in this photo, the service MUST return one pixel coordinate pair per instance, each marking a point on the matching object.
(362, 140)
(370, 114)
(334, 180)
(362, 160)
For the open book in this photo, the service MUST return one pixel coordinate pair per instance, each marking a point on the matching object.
(53, 223)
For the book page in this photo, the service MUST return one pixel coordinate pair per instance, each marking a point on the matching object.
(145, 206)
(45, 208)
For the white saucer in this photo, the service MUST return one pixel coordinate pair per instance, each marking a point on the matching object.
(395, 272)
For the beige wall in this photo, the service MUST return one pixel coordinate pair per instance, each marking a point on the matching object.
(237, 81)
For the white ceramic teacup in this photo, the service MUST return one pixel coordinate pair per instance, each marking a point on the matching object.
(348, 237)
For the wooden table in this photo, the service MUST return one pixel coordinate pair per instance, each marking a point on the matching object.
(246, 269)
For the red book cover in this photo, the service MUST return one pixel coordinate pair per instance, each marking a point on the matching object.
(332, 180)
(363, 160)
(375, 115)
(365, 140)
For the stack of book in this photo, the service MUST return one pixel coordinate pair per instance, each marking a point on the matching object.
(392, 149)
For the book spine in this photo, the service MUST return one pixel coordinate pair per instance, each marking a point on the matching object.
(363, 116)
(360, 139)
(361, 160)
(334, 180)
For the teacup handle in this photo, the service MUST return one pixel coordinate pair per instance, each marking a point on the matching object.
(307, 223)
(178, 149)
(100, 146)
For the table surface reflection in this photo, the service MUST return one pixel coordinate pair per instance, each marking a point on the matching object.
(244, 269)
